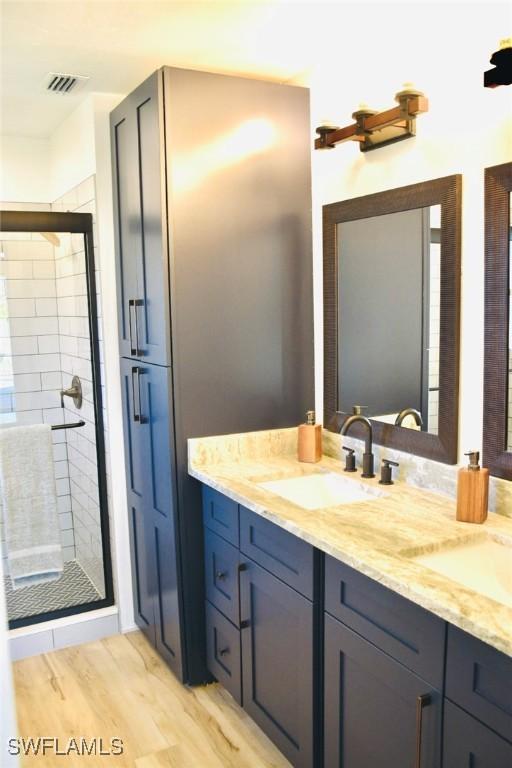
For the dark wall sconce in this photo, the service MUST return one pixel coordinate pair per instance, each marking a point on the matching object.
(501, 73)
(376, 129)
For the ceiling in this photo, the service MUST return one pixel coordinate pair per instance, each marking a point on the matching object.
(117, 43)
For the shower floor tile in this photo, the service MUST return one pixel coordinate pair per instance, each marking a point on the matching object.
(73, 588)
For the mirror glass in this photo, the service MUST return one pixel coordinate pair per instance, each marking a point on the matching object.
(388, 317)
(509, 413)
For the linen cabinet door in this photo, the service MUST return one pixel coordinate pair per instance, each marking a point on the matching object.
(277, 662)
(470, 744)
(153, 394)
(125, 183)
(138, 152)
(141, 524)
(152, 311)
(377, 712)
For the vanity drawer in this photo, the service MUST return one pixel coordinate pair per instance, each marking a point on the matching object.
(221, 575)
(220, 514)
(397, 626)
(283, 554)
(469, 744)
(223, 651)
(479, 679)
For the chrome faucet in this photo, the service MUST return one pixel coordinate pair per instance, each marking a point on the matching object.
(409, 412)
(358, 418)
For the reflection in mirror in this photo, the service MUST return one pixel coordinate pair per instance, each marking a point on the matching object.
(509, 415)
(389, 317)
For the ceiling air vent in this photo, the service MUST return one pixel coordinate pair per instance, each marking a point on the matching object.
(57, 82)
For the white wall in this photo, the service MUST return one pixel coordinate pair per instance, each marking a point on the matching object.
(72, 150)
(24, 169)
(467, 129)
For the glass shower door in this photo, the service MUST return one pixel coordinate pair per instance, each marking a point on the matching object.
(50, 374)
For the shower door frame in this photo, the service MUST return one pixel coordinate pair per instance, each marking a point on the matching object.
(75, 223)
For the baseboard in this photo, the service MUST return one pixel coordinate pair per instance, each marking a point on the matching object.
(60, 633)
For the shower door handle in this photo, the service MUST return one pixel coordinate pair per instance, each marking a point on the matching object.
(137, 409)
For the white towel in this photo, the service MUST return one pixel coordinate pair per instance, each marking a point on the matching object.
(29, 497)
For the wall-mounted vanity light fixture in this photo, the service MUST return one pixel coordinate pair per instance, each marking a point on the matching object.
(501, 73)
(376, 129)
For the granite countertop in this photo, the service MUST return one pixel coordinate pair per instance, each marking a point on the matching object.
(377, 537)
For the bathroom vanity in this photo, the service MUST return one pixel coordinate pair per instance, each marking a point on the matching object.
(336, 628)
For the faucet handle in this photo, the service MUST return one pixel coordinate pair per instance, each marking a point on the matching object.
(386, 471)
(350, 459)
(357, 410)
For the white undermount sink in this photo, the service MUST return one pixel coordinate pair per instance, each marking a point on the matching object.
(483, 564)
(316, 491)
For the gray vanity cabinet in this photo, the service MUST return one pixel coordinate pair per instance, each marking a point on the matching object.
(401, 688)
(384, 667)
(470, 744)
(260, 626)
(277, 662)
(377, 712)
(387, 682)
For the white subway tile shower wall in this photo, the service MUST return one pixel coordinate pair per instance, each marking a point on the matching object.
(30, 370)
(75, 359)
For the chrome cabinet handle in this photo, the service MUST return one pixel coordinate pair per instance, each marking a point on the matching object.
(131, 305)
(135, 374)
(137, 414)
(421, 702)
(221, 575)
(137, 303)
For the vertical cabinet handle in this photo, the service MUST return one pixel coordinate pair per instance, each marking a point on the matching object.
(421, 702)
(242, 568)
(137, 303)
(131, 305)
(137, 410)
(132, 310)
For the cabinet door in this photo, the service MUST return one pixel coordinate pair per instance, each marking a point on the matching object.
(277, 662)
(470, 744)
(126, 221)
(141, 526)
(377, 712)
(141, 224)
(154, 410)
(150, 459)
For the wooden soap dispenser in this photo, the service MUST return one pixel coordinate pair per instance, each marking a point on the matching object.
(309, 447)
(472, 491)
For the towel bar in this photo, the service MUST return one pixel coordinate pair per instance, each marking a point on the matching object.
(69, 426)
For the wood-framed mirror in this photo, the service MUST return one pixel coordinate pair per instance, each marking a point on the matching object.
(497, 437)
(391, 293)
